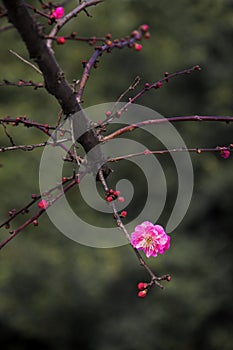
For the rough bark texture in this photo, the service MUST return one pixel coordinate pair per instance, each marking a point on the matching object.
(55, 82)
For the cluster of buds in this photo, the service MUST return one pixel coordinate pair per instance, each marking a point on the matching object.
(143, 289)
(130, 40)
(111, 195)
(137, 34)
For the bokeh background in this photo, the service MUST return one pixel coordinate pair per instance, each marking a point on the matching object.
(57, 294)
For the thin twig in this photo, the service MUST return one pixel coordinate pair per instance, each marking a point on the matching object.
(174, 150)
(156, 85)
(26, 61)
(32, 146)
(154, 278)
(129, 41)
(120, 98)
(199, 118)
(7, 134)
(15, 232)
(22, 83)
(9, 26)
(60, 23)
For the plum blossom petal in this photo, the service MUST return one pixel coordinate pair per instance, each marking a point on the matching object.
(150, 238)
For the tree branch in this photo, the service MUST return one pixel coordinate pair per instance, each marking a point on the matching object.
(226, 119)
(71, 15)
(55, 82)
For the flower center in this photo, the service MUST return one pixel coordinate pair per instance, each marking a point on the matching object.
(148, 241)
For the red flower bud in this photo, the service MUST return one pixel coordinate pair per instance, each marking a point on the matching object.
(147, 35)
(225, 153)
(116, 193)
(144, 27)
(142, 294)
(35, 222)
(142, 285)
(158, 85)
(61, 40)
(108, 113)
(137, 47)
(43, 204)
(108, 42)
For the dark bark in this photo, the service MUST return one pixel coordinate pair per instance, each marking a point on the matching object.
(55, 81)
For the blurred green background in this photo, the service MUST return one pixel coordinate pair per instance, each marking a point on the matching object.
(56, 294)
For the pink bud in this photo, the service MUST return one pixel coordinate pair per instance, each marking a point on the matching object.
(61, 40)
(142, 294)
(35, 222)
(58, 13)
(158, 85)
(121, 199)
(144, 27)
(147, 151)
(116, 193)
(225, 153)
(123, 214)
(43, 204)
(137, 47)
(142, 285)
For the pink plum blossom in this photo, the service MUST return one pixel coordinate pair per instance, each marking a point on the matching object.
(58, 12)
(150, 238)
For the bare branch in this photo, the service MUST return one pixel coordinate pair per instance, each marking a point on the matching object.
(198, 151)
(198, 118)
(128, 41)
(71, 15)
(55, 82)
(22, 83)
